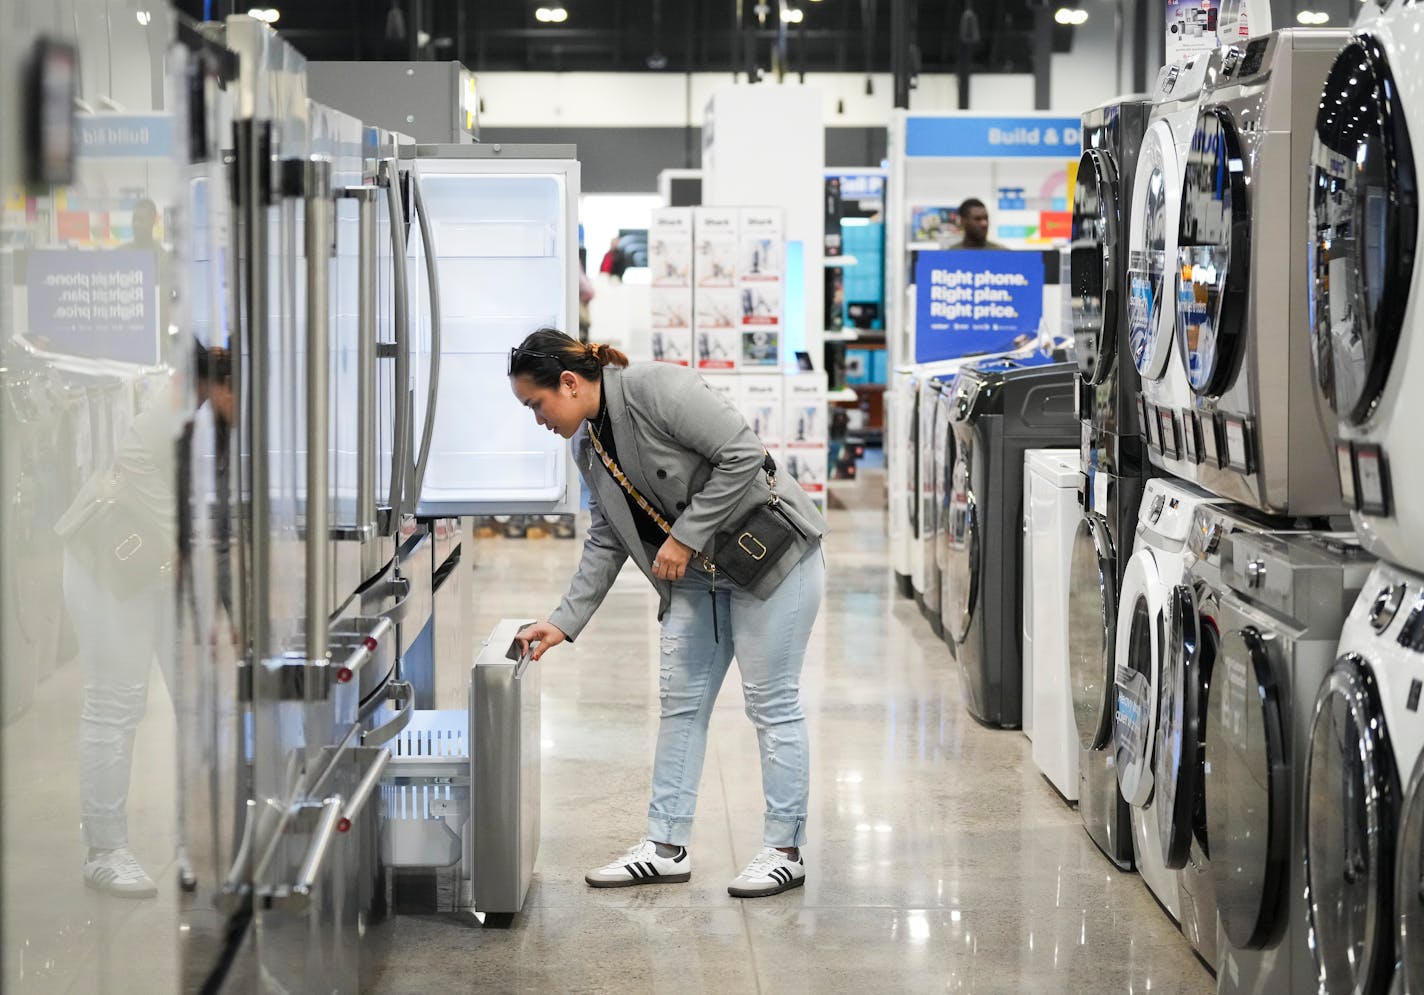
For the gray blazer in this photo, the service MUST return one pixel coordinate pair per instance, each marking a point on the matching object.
(690, 453)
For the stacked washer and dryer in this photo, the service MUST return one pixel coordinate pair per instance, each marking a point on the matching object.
(1238, 732)
(1363, 816)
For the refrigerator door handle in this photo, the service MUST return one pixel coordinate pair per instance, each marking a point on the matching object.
(390, 179)
(318, 232)
(432, 276)
(367, 261)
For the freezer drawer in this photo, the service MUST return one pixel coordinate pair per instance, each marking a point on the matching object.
(462, 788)
(504, 771)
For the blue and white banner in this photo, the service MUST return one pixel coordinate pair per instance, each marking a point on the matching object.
(993, 137)
(974, 301)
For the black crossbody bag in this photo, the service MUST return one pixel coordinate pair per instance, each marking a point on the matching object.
(743, 554)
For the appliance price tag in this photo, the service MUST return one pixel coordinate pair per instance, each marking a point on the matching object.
(1236, 444)
(1370, 471)
(1346, 466)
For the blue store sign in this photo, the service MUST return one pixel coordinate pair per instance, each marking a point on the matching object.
(972, 137)
(974, 301)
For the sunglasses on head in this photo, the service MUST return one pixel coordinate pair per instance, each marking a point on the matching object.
(520, 351)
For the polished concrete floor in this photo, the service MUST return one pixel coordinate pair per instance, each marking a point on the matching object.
(939, 859)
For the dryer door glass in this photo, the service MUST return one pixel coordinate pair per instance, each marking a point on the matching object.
(1248, 784)
(1363, 219)
(1092, 631)
(1136, 700)
(1153, 208)
(1213, 254)
(961, 576)
(1409, 884)
(1176, 755)
(1351, 807)
(1093, 262)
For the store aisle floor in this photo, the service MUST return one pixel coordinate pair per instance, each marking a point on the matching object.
(939, 859)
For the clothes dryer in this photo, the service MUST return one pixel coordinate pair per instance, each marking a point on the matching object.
(1363, 842)
(1002, 408)
(1102, 201)
(1051, 482)
(1256, 429)
(1283, 602)
(1152, 257)
(1157, 567)
(1367, 300)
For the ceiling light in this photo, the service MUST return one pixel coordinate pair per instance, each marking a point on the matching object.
(1313, 17)
(793, 15)
(143, 17)
(268, 15)
(1070, 15)
(557, 14)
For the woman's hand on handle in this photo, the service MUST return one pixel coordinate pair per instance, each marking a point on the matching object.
(541, 635)
(672, 560)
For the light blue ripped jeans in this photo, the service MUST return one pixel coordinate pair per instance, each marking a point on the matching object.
(769, 639)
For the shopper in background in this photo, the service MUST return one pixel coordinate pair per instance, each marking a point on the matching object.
(974, 220)
(693, 469)
(611, 264)
(585, 316)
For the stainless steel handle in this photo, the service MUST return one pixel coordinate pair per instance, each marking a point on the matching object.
(317, 232)
(390, 179)
(363, 790)
(365, 196)
(253, 151)
(239, 878)
(398, 586)
(399, 691)
(364, 651)
(310, 870)
(432, 277)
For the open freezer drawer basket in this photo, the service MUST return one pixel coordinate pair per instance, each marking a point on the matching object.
(462, 788)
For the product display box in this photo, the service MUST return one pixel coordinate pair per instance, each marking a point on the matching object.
(808, 467)
(761, 278)
(762, 398)
(805, 410)
(670, 296)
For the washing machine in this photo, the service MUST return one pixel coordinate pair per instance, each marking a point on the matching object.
(1363, 842)
(1255, 430)
(1051, 483)
(1283, 600)
(916, 553)
(937, 459)
(1157, 567)
(901, 455)
(1151, 261)
(1002, 407)
(1367, 300)
(943, 443)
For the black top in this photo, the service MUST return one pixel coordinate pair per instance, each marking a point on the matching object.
(648, 530)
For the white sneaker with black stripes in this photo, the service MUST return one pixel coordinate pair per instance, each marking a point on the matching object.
(770, 873)
(642, 865)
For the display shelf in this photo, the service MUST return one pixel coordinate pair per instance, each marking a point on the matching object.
(836, 262)
(844, 335)
(843, 396)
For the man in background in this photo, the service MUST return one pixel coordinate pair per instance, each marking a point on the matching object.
(974, 220)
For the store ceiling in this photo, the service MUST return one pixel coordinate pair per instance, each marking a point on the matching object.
(643, 35)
